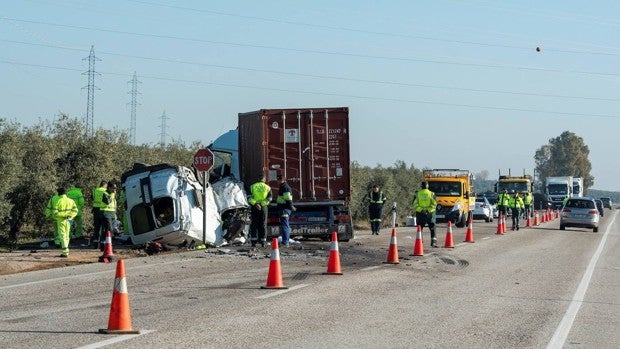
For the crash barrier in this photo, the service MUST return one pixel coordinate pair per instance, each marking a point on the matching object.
(274, 275)
(469, 235)
(449, 241)
(418, 246)
(392, 257)
(333, 263)
(119, 321)
(108, 254)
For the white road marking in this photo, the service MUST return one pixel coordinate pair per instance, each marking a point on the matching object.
(561, 333)
(279, 292)
(117, 339)
(372, 268)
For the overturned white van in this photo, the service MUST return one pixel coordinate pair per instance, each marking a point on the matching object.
(164, 203)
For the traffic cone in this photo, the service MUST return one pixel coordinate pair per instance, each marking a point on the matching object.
(469, 235)
(108, 255)
(503, 224)
(333, 263)
(536, 220)
(499, 230)
(274, 276)
(392, 257)
(449, 242)
(119, 321)
(528, 223)
(418, 247)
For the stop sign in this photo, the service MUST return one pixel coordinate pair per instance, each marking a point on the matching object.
(203, 160)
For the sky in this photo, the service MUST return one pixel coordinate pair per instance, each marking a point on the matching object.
(434, 83)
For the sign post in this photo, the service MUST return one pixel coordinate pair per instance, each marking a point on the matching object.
(203, 161)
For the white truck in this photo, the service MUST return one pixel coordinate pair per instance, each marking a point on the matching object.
(577, 187)
(557, 189)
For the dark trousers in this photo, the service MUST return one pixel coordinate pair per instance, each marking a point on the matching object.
(515, 217)
(374, 213)
(502, 210)
(98, 223)
(258, 226)
(424, 219)
(285, 228)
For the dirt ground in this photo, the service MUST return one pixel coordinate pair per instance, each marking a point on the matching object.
(30, 257)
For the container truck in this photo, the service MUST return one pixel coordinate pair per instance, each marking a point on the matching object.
(310, 148)
(557, 189)
(453, 189)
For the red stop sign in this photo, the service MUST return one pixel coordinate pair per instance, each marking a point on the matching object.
(203, 160)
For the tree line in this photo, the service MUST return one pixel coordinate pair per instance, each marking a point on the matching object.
(36, 160)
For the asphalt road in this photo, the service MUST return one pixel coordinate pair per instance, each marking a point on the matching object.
(533, 288)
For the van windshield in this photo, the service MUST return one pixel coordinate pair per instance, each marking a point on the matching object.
(445, 188)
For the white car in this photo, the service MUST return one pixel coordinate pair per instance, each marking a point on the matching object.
(483, 210)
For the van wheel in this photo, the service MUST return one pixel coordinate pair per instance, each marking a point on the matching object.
(595, 229)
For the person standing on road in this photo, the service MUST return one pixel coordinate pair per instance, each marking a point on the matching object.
(516, 205)
(260, 198)
(528, 200)
(63, 213)
(285, 208)
(77, 228)
(376, 199)
(502, 203)
(98, 219)
(424, 205)
(108, 212)
(49, 214)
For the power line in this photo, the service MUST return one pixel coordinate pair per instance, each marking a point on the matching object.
(264, 88)
(134, 103)
(331, 77)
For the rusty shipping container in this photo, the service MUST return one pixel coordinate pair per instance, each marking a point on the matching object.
(310, 147)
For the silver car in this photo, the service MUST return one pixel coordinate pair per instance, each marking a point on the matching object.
(580, 212)
(483, 210)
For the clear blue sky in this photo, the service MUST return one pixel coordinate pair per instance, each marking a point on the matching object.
(435, 83)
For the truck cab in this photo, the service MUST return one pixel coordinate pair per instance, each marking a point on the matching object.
(453, 189)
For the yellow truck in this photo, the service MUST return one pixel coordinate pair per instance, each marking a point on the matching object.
(454, 190)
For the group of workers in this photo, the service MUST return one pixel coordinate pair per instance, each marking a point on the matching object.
(424, 205)
(65, 209)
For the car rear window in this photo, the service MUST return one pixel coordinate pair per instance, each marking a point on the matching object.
(580, 204)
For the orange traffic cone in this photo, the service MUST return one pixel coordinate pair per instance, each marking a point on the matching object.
(392, 257)
(503, 224)
(418, 247)
(469, 235)
(528, 223)
(120, 316)
(274, 276)
(449, 242)
(499, 230)
(108, 255)
(536, 220)
(333, 262)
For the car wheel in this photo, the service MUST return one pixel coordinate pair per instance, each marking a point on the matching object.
(487, 219)
(595, 229)
(562, 227)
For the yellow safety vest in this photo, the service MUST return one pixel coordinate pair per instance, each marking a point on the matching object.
(261, 194)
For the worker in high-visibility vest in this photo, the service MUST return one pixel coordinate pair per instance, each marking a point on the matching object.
(98, 219)
(49, 214)
(77, 228)
(285, 209)
(424, 205)
(515, 203)
(502, 203)
(63, 213)
(259, 201)
(376, 199)
(528, 201)
(108, 211)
